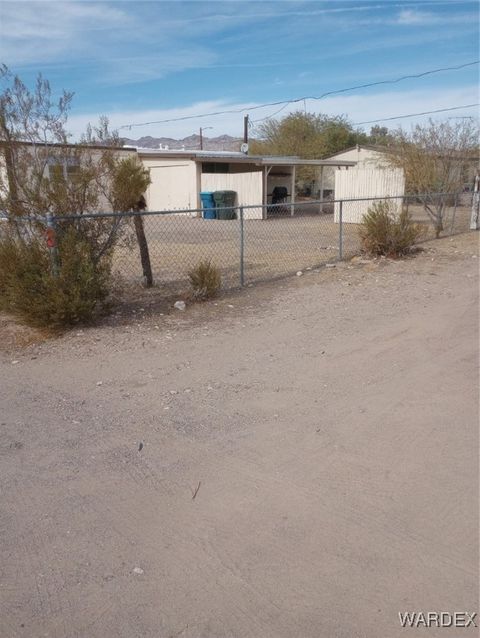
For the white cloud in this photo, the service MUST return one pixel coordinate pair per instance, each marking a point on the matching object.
(410, 16)
(144, 68)
(113, 44)
(123, 42)
(34, 32)
(358, 108)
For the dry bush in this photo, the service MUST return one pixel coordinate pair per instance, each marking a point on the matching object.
(205, 280)
(385, 232)
(32, 292)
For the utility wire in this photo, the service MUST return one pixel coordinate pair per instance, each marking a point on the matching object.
(269, 117)
(363, 86)
(301, 99)
(399, 117)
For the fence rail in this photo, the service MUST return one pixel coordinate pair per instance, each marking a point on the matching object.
(258, 243)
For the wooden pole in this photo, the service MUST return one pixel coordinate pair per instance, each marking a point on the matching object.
(144, 253)
(245, 129)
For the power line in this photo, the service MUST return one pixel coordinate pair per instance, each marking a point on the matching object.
(399, 117)
(301, 99)
(269, 117)
(363, 86)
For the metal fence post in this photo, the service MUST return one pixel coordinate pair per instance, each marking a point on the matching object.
(475, 216)
(455, 204)
(242, 247)
(51, 236)
(340, 231)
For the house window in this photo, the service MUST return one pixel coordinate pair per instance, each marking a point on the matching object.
(63, 168)
(56, 171)
(73, 171)
(215, 167)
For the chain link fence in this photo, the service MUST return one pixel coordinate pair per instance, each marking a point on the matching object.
(259, 243)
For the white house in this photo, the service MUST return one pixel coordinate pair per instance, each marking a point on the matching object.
(178, 177)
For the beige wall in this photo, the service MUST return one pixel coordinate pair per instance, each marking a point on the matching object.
(40, 158)
(177, 183)
(174, 184)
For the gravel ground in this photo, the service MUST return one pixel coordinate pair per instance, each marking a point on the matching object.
(297, 459)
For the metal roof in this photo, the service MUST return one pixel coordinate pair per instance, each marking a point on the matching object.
(240, 158)
(366, 147)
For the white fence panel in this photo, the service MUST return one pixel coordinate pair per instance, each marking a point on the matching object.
(248, 186)
(366, 182)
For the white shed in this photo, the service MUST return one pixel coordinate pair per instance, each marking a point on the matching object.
(372, 176)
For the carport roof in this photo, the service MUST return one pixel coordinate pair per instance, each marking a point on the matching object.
(240, 158)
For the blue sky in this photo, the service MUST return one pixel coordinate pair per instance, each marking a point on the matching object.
(144, 61)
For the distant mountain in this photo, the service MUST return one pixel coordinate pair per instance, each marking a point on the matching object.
(191, 143)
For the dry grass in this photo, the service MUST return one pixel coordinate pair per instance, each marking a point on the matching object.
(205, 280)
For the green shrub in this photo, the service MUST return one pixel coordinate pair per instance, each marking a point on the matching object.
(385, 232)
(30, 290)
(205, 280)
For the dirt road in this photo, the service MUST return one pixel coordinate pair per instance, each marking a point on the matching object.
(327, 426)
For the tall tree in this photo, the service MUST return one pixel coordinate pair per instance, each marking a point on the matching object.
(380, 135)
(307, 135)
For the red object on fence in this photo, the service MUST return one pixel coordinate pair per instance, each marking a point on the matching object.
(50, 237)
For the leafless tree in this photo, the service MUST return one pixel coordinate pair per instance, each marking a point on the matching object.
(432, 157)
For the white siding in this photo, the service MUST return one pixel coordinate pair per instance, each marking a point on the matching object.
(248, 186)
(174, 184)
(363, 182)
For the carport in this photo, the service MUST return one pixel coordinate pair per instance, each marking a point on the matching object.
(282, 171)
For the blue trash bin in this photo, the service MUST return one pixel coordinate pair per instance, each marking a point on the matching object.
(208, 205)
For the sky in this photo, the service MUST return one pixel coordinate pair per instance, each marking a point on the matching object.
(139, 62)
